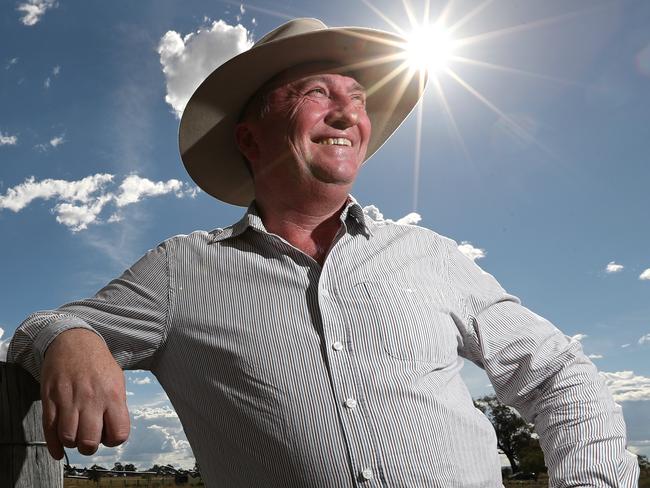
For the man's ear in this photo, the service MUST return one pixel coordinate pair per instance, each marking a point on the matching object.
(245, 139)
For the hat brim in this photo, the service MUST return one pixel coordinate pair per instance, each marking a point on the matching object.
(207, 129)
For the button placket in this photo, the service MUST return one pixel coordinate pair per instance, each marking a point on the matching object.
(342, 374)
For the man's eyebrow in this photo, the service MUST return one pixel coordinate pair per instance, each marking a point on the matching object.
(356, 86)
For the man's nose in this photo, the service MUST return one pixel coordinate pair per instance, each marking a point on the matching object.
(343, 115)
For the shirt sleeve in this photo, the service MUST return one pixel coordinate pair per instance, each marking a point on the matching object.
(545, 375)
(130, 314)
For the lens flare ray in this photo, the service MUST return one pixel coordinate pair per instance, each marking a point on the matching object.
(418, 150)
(517, 129)
(512, 70)
(451, 119)
(384, 17)
(524, 27)
(468, 16)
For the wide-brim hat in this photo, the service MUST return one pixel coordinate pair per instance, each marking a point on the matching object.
(207, 129)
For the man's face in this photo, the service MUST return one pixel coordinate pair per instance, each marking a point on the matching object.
(316, 128)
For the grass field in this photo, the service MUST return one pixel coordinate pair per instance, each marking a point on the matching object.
(162, 482)
(130, 482)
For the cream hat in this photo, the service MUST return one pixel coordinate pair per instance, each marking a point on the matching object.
(207, 128)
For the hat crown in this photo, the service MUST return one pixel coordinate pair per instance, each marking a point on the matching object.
(292, 28)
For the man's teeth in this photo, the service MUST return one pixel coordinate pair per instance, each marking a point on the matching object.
(335, 141)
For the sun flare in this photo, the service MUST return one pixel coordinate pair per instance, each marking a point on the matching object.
(432, 46)
(429, 47)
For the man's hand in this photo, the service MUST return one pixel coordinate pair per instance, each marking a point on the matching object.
(83, 394)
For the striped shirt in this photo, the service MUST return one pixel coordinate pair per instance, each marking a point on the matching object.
(288, 374)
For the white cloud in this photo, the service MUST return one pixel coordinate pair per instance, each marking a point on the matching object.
(612, 267)
(57, 141)
(187, 61)
(129, 393)
(78, 217)
(141, 381)
(373, 212)
(156, 437)
(595, 356)
(7, 140)
(626, 386)
(52, 143)
(644, 339)
(645, 275)
(625, 345)
(4, 345)
(80, 203)
(579, 337)
(410, 219)
(470, 251)
(20, 196)
(11, 62)
(154, 413)
(34, 9)
(55, 72)
(241, 13)
(133, 188)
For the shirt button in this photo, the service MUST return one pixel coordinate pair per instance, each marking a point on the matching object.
(337, 346)
(351, 403)
(367, 474)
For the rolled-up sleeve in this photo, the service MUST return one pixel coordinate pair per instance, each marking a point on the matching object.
(130, 314)
(545, 375)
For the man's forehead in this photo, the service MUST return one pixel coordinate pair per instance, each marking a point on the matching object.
(305, 73)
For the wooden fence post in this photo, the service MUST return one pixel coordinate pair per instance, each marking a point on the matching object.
(24, 459)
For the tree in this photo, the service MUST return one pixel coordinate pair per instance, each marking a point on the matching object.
(515, 437)
(129, 467)
(643, 461)
(118, 466)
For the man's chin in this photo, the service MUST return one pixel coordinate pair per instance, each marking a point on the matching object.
(334, 178)
(342, 175)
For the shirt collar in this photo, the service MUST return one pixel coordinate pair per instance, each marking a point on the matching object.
(351, 214)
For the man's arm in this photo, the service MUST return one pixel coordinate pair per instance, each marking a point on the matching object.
(78, 351)
(545, 375)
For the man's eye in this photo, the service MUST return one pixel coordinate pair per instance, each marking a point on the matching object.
(317, 91)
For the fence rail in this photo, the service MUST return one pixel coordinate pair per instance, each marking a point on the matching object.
(24, 459)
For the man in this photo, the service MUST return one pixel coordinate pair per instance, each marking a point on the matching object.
(307, 345)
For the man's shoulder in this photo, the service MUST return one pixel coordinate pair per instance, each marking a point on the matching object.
(197, 238)
(407, 226)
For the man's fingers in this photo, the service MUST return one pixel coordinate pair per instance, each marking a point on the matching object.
(89, 431)
(67, 423)
(116, 426)
(50, 432)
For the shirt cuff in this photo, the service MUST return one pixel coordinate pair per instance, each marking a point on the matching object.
(45, 337)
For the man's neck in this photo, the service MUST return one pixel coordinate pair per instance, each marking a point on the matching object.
(310, 224)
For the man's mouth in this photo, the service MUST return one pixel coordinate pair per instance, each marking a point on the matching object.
(335, 141)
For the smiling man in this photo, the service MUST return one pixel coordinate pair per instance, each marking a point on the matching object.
(307, 345)
(310, 140)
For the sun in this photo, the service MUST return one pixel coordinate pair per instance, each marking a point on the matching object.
(429, 48)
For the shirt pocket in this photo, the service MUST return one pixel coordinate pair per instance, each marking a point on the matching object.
(413, 324)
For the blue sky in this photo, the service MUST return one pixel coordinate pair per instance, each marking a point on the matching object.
(544, 170)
